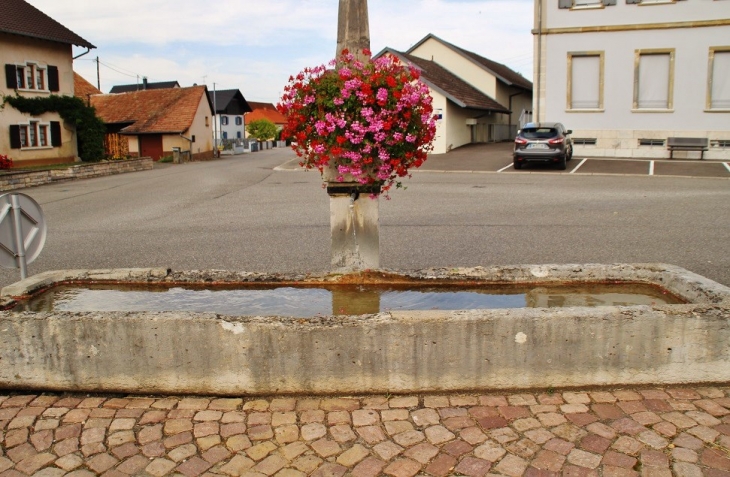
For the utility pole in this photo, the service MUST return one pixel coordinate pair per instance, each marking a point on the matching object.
(98, 77)
(215, 124)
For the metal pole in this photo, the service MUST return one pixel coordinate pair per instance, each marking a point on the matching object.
(98, 76)
(215, 123)
(18, 235)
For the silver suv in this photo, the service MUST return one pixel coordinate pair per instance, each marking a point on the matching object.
(547, 143)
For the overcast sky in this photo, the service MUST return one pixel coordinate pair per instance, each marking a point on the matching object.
(255, 45)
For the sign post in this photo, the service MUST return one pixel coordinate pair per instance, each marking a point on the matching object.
(22, 231)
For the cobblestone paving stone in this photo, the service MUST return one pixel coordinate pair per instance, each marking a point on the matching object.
(648, 432)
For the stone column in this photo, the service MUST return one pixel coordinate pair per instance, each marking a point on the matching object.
(354, 219)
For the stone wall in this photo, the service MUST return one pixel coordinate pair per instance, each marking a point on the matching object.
(23, 179)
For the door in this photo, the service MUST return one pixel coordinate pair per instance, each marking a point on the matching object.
(150, 145)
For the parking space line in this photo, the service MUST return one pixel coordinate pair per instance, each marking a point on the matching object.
(578, 166)
(505, 168)
(727, 166)
(651, 168)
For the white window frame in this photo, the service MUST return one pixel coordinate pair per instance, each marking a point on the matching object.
(670, 85)
(601, 73)
(710, 78)
(33, 68)
(33, 129)
(587, 4)
(656, 2)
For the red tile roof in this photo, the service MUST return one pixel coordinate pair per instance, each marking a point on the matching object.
(152, 111)
(21, 18)
(265, 111)
(82, 88)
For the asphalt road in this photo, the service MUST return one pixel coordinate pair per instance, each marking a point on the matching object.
(239, 213)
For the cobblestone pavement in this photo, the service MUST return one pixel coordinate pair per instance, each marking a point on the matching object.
(647, 431)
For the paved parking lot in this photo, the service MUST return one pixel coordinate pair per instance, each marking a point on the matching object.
(498, 158)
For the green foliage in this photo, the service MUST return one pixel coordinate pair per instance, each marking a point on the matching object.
(262, 130)
(90, 129)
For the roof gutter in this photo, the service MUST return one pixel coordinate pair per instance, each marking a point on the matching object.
(82, 54)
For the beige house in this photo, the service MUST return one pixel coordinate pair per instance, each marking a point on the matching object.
(476, 99)
(154, 122)
(627, 75)
(36, 52)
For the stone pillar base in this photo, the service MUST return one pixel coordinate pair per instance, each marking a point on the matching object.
(355, 227)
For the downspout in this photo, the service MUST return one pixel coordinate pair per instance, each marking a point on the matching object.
(82, 54)
(510, 107)
(539, 58)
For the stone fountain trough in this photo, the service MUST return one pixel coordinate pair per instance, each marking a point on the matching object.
(386, 352)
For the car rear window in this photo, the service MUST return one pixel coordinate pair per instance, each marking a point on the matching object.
(539, 133)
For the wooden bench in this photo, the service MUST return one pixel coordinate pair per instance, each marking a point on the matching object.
(687, 144)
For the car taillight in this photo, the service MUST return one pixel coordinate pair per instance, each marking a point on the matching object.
(519, 140)
(556, 141)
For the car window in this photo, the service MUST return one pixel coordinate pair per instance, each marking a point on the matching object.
(539, 133)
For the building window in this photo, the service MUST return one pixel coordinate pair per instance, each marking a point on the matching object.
(653, 79)
(32, 76)
(225, 135)
(581, 4)
(718, 77)
(239, 121)
(224, 120)
(649, 2)
(585, 141)
(721, 143)
(238, 134)
(585, 80)
(651, 142)
(35, 134)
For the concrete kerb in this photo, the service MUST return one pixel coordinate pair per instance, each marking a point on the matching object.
(396, 352)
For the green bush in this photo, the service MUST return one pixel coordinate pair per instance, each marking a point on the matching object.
(261, 130)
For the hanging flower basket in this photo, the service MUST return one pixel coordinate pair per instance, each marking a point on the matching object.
(369, 122)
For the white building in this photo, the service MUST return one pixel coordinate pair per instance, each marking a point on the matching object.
(476, 99)
(626, 75)
(230, 107)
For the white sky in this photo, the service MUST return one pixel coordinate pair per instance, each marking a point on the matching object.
(255, 45)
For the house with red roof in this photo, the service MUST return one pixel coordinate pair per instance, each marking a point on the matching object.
(155, 121)
(265, 111)
(475, 99)
(37, 58)
(83, 89)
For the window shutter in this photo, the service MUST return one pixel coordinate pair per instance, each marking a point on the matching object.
(11, 76)
(609, 2)
(565, 3)
(55, 134)
(14, 136)
(53, 83)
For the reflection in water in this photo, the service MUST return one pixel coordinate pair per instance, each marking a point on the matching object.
(337, 300)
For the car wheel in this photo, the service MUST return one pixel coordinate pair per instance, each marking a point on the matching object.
(516, 165)
(562, 163)
(570, 154)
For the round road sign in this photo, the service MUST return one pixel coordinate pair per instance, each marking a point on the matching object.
(32, 229)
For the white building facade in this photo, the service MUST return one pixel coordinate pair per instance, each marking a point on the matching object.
(626, 75)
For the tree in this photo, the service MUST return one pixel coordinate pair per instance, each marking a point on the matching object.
(261, 129)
